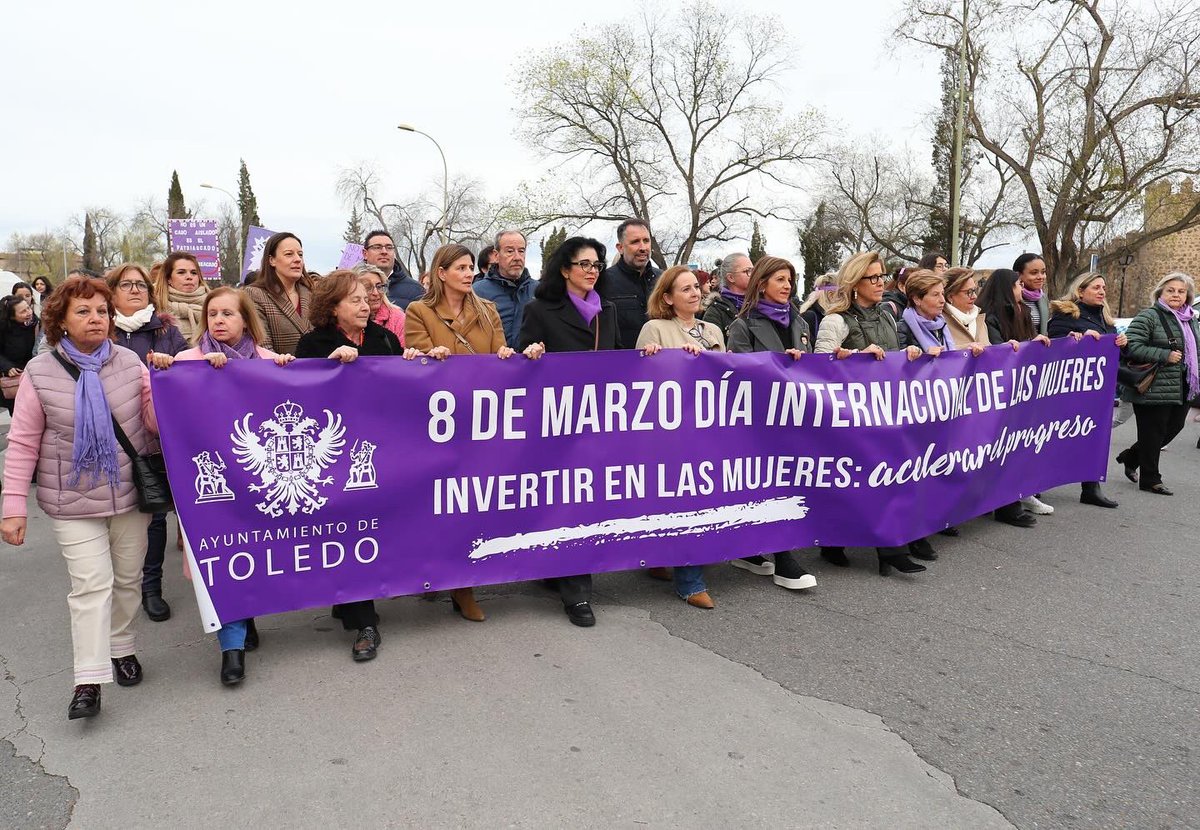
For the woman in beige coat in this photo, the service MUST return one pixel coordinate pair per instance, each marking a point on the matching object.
(964, 320)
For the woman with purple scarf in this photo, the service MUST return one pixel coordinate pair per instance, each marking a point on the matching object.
(921, 324)
(69, 406)
(567, 314)
(770, 321)
(229, 330)
(1166, 334)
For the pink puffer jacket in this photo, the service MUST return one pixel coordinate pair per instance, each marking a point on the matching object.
(43, 434)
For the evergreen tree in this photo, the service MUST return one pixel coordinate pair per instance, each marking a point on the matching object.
(91, 256)
(176, 208)
(354, 229)
(819, 243)
(230, 255)
(942, 140)
(758, 244)
(550, 244)
(247, 203)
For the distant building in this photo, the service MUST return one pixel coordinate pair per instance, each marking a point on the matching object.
(29, 264)
(1163, 205)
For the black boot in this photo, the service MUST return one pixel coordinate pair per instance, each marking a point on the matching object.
(1013, 514)
(156, 607)
(1091, 495)
(835, 556)
(251, 635)
(921, 549)
(233, 666)
(1129, 460)
(900, 562)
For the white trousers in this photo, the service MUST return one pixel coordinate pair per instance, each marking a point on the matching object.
(104, 558)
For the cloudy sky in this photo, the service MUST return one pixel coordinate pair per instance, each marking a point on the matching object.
(102, 116)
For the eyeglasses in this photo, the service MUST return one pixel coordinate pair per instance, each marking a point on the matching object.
(133, 287)
(588, 265)
(971, 292)
(698, 333)
(388, 248)
(374, 288)
(874, 279)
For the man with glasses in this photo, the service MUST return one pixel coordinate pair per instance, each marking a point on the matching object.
(629, 283)
(379, 250)
(734, 273)
(508, 283)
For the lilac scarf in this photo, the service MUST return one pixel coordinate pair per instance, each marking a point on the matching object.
(1031, 296)
(736, 299)
(588, 307)
(243, 349)
(923, 328)
(95, 447)
(780, 313)
(1184, 316)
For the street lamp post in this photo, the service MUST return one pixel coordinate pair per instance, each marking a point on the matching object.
(1125, 261)
(408, 128)
(241, 241)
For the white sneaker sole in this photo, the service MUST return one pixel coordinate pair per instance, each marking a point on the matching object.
(797, 584)
(1037, 508)
(765, 569)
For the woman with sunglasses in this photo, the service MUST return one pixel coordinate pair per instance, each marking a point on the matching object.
(857, 324)
(673, 324)
(770, 321)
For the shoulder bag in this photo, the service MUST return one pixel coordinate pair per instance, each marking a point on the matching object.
(1140, 376)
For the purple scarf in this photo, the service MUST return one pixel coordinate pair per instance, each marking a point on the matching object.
(1031, 296)
(1184, 316)
(736, 299)
(780, 313)
(95, 447)
(588, 307)
(244, 349)
(923, 328)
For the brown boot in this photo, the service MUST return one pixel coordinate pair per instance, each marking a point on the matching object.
(463, 600)
(701, 600)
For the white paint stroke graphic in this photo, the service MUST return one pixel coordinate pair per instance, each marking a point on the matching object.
(658, 525)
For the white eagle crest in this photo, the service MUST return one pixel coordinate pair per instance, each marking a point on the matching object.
(288, 458)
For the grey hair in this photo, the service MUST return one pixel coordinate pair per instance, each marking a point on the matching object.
(725, 268)
(1172, 277)
(364, 268)
(506, 232)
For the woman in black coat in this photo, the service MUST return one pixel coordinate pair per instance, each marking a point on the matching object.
(343, 330)
(18, 335)
(1084, 311)
(566, 314)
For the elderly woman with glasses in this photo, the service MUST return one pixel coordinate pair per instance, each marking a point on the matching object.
(673, 324)
(383, 312)
(965, 322)
(146, 332)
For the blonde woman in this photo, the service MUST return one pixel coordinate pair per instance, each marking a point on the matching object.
(965, 322)
(816, 304)
(179, 289)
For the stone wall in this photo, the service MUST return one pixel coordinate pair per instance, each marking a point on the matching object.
(1163, 205)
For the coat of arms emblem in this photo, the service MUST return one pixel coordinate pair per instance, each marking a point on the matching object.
(290, 456)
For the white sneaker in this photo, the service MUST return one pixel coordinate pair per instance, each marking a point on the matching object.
(1036, 506)
(755, 564)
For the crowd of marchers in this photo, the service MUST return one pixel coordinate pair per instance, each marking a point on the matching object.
(75, 362)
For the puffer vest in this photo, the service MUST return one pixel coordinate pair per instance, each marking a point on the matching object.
(121, 376)
(870, 327)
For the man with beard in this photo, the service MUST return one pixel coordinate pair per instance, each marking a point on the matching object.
(379, 250)
(629, 283)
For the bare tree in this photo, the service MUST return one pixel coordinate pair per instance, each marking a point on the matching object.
(414, 222)
(43, 253)
(1084, 104)
(674, 119)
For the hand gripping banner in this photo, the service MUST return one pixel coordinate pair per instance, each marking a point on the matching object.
(316, 483)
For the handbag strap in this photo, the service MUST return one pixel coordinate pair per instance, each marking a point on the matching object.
(122, 438)
(1165, 318)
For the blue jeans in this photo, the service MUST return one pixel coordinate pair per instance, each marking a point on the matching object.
(689, 580)
(232, 635)
(156, 552)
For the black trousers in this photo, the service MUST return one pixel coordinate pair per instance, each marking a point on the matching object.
(575, 589)
(1157, 426)
(356, 615)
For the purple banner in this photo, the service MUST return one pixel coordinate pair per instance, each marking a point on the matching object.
(200, 238)
(352, 254)
(256, 240)
(316, 483)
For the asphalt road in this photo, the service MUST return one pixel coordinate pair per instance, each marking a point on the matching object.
(1047, 677)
